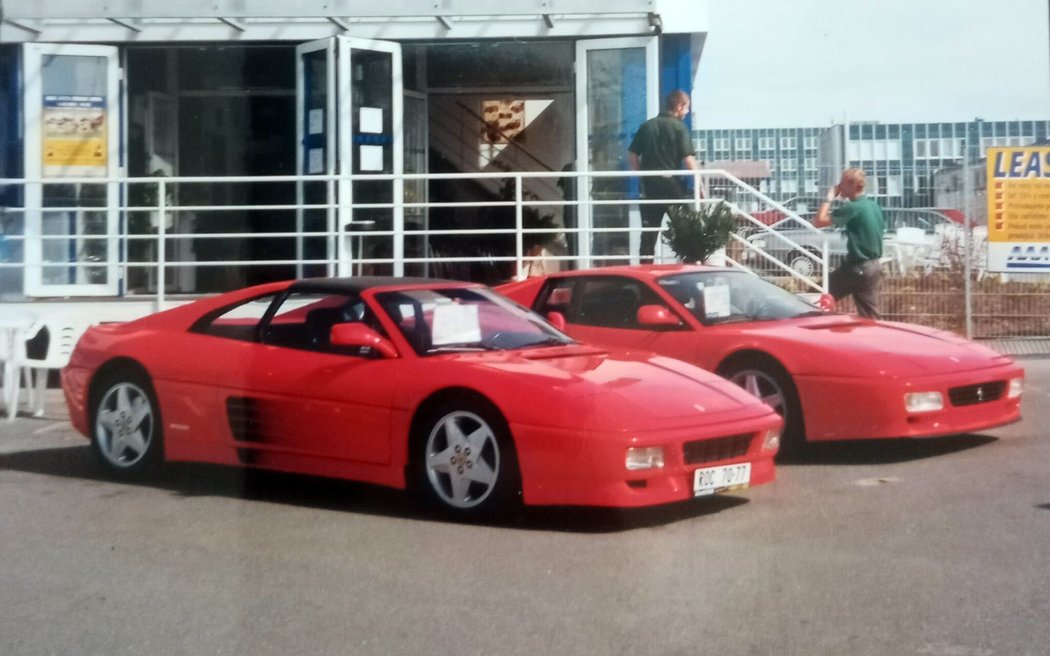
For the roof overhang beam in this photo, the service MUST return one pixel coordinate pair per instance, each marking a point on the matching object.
(141, 21)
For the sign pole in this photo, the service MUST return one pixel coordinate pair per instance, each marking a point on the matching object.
(968, 191)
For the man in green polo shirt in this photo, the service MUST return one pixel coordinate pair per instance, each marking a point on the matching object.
(662, 144)
(861, 218)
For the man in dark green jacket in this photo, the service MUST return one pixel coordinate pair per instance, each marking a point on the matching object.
(861, 218)
(662, 144)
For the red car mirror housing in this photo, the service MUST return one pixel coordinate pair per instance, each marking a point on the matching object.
(358, 334)
(556, 319)
(657, 315)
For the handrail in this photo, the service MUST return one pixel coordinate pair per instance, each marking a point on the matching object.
(605, 222)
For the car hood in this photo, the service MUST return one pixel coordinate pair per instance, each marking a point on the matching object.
(654, 391)
(849, 346)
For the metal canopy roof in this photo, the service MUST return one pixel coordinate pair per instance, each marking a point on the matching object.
(123, 21)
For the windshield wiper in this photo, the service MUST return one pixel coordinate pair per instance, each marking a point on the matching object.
(549, 341)
(810, 313)
(459, 348)
(733, 318)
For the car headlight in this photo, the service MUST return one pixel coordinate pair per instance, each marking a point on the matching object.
(771, 441)
(1015, 389)
(645, 457)
(923, 401)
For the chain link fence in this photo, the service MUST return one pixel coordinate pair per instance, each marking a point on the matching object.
(929, 178)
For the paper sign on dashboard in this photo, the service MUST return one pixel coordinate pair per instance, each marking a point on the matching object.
(455, 324)
(716, 301)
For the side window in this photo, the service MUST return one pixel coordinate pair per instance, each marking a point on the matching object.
(612, 302)
(240, 322)
(556, 297)
(304, 321)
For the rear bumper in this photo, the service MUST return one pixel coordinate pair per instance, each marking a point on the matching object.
(75, 381)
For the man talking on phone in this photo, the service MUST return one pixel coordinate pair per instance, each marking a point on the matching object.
(861, 218)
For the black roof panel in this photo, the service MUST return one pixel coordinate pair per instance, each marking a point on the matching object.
(358, 284)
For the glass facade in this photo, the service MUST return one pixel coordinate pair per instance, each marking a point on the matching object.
(901, 158)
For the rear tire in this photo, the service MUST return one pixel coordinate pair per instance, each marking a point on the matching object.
(125, 424)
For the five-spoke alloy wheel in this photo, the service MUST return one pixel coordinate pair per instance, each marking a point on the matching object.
(773, 386)
(467, 463)
(126, 425)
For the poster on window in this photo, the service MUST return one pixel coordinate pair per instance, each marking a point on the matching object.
(74, 136)
(504, 120)
(1019, 209)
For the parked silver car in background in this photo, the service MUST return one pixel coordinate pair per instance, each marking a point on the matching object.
(920, 238)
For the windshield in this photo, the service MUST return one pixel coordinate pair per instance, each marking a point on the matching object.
(716, 297)
(457, 319)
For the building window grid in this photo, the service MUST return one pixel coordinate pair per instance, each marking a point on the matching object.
(909, 178)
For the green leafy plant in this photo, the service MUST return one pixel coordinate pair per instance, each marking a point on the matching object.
(694, 234)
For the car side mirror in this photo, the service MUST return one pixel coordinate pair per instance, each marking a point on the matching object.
(360, 335)
(556, 319)
(657, 315)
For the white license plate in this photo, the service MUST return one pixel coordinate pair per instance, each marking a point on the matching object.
(721, 479)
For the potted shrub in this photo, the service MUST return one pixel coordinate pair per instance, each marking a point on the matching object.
(696, 234)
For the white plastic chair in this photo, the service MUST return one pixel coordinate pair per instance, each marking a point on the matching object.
(64, 331)
(14, 331)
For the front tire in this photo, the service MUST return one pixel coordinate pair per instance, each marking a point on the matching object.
(465, 463)
(125, 425)
(772, 384)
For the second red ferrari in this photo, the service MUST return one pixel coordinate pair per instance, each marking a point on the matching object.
(831, 376)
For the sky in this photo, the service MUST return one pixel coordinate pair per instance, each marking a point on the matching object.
(811, 63)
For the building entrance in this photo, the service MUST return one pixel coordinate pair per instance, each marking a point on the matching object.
(216, 111)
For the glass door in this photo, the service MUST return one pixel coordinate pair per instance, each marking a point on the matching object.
(617, 89)
(371, 132)
(316, 127)
(350, 122)
(72, 158)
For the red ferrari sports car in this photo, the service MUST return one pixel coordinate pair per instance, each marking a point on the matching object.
(831, 376)
(445, 388)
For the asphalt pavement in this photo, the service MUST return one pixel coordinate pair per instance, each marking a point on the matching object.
(937, 547)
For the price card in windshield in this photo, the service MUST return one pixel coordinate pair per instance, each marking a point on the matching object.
(716, 301)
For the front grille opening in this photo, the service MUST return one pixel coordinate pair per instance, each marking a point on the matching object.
(717, 448)
(975, 394)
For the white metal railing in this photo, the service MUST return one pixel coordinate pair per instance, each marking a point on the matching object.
(172, 229)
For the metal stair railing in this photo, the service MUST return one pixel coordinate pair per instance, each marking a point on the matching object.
(165, 260)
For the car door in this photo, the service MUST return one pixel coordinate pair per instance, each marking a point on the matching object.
(604, 310)
(298, 400)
